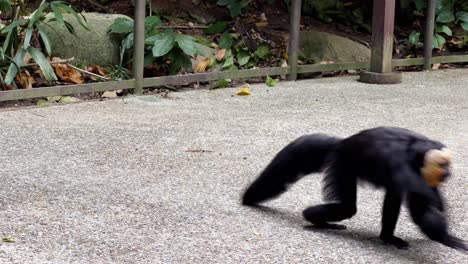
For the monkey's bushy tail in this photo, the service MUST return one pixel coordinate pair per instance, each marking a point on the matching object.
(303, 156)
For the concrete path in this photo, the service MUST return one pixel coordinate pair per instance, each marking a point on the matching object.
(152, 180)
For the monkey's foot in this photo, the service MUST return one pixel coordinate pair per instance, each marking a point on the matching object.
(326, 225)
(395, 241)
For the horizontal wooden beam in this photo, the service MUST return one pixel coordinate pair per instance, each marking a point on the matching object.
(65, 90)
(213, 76)
(438, 59)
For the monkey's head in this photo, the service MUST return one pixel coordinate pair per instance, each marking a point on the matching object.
(436, 167)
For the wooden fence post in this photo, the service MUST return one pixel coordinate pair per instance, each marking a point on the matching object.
(383, 19)
(429, 33)
(295, 24)
(139, 45)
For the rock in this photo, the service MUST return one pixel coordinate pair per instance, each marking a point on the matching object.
(316, 47)
(88, 47)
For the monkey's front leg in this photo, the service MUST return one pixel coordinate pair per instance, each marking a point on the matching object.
(390, 213)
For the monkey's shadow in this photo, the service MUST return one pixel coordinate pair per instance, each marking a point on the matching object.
(366, 238)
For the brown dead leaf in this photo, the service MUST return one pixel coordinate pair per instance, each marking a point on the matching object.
(27, 58)
(25, 79)
(220, 54)
(435, 66)
(202, 65)
(67, 73)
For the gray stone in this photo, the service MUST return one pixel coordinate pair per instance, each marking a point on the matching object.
(316, 46)
(87, 47)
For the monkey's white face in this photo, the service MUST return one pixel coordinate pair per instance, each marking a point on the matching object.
(436, 166)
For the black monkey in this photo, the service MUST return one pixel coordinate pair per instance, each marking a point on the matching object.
(408, 165)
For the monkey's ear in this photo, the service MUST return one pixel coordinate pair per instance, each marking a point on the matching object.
(435, 166)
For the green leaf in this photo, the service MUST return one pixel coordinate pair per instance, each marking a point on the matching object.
(163, 43)
(216, 28)
(224, 2)
(270, 82)
(229, 61)
(151, 22)
(187, 44)
(43, 63)
(414, 38)
(462, 15)
(57, 13)
(464, 25)
(262, 51)
(122, 25)
(243, 57)
(226, 41)
(27, 38)
(46, 42)
(438, 41)
(78, 16)
(444, 29)
(14, 24)
(42, 102)
(126, 44)
(203, 41)
(37, 14)
(446, 16)
(13, 69)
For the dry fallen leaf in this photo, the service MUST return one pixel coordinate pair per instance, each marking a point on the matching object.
(109, 94)
(436, 66)
(261, 24)
(67, 73)
(202, 65)
(25, 79)
(220, 54)
(244, 91)
(97, 70)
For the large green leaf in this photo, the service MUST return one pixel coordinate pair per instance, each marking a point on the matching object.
(444, 29)
(152, 22)
(464, 25)
(13, 69)
(163, 43)
(27, 38)
(122, 25)
(14, 24)
(243, 57)
(5, 5)
(43, 63)
(126, 44)
(438, 41)
(446, 16)
(462, 15)
(226, 41)
(187, 44)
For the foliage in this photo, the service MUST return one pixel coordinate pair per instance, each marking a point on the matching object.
(450, 15)
(165, 48)
(25, 36)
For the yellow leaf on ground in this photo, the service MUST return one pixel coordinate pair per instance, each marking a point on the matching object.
(25, 79)
(244, 91)
(202, 65)
(67, 73)
(220, 54)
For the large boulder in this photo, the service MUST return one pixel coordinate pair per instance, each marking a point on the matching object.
(316, 46)
(92, 46)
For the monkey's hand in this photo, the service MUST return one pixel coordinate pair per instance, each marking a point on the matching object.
(455, 243)
(394, 241)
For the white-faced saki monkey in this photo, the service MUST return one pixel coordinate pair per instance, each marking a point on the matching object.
(406, 164)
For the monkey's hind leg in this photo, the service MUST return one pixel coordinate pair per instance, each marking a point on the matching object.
(390, 213)
(342, 190)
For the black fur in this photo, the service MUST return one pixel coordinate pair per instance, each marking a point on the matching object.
(386, 157)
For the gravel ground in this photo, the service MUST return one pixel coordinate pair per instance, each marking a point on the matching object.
(153, 180)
